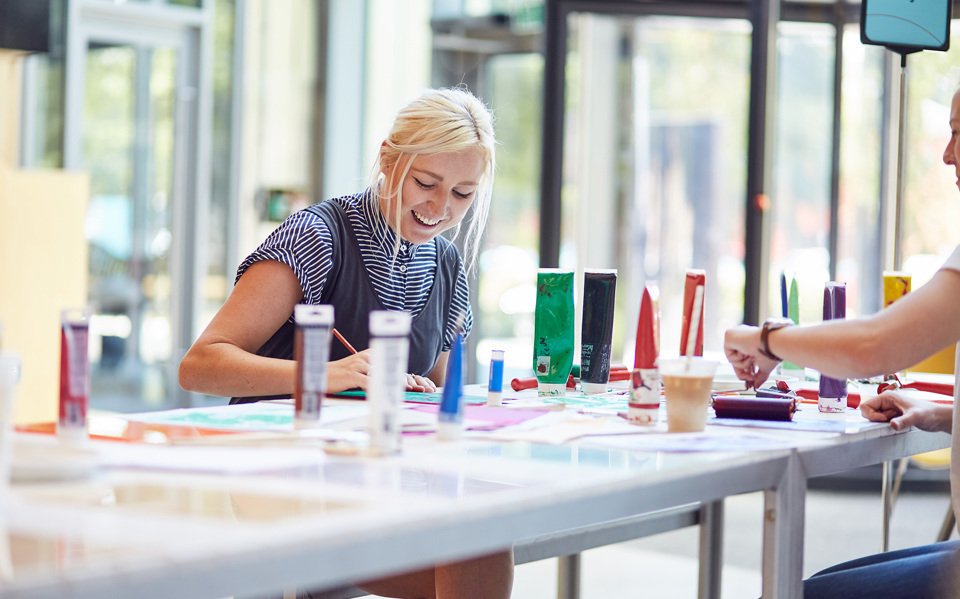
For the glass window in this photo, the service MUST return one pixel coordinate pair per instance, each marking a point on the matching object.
(800, 227)
(859, 260)
(931, 207)
(219, 267)
(508, 262)
(654, 183)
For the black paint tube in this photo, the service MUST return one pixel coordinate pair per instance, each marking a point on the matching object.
(596, 333)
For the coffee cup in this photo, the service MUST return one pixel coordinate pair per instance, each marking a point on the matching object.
(687, 384)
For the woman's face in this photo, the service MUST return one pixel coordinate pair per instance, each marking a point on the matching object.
(437, 192)
(951, 154)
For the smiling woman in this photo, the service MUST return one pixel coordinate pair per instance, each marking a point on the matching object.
(379, 249)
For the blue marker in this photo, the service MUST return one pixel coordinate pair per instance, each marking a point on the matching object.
(495, 383)
(450, 422)
(784, 304)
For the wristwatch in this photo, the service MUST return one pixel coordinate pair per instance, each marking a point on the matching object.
(770, 325)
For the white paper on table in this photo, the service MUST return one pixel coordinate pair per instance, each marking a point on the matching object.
(560, 427)
(714, 439)
(206, 459)
(259, 416)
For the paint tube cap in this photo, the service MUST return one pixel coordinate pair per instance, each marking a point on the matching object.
(591, 388)
(551, 389)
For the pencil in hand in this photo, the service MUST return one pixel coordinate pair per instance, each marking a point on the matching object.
(344, 341)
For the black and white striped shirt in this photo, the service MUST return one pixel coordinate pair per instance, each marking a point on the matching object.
(304, 243)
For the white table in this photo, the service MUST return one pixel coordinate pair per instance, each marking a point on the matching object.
(326, 521)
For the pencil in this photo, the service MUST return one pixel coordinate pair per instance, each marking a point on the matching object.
(344, 341)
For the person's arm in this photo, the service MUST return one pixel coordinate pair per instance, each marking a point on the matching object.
(901, 412)
(913, 328)
(439, 373)
(223, 360)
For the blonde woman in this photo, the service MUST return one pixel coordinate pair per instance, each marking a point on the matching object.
(378, 249)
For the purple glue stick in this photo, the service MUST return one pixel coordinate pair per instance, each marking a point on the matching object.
(833, 392)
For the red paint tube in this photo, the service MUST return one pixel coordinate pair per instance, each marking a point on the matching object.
(695, 278)
(647, 347)
(74, 374)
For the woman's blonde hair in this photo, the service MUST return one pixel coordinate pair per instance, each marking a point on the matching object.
(440, 120)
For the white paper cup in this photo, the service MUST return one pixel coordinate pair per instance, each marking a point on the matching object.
(686, 385)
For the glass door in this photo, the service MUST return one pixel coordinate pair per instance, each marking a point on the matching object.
(130, 131)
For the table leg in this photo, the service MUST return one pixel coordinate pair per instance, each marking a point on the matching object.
(711, 549)
(783, 523)
(889, 486)
(568, 576)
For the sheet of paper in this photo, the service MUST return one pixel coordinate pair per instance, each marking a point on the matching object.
(259, 416)
(205, 459)
(712, 439)
(561, 427)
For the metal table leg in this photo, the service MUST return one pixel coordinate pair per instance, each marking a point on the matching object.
(568, 576)
(783, 522)
(711, 549)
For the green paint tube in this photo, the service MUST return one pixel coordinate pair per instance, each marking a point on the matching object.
(789, 369)
(553, 330)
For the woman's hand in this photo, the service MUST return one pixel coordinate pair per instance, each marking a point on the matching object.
(348, 373)
(742, 347)
(902, 411)
(420, 384)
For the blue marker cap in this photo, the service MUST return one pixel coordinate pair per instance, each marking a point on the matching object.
(451, 403)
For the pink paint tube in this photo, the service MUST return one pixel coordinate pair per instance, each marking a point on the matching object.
(74, 374)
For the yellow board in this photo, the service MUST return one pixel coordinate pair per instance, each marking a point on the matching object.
(940, 362)
(896, 284)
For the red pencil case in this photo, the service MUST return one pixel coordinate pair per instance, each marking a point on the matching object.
(754, 408)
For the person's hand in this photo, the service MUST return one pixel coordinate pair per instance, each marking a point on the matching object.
(348, 373)
(742, 347)
(420, 384)
(901, 412)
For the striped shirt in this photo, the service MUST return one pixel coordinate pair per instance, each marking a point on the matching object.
(402, 282)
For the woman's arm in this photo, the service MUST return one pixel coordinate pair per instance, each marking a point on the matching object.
(901, 412)
(439, 372)
(223, 360)
(916, 326)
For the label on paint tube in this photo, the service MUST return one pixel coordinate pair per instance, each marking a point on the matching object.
(644, 403)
